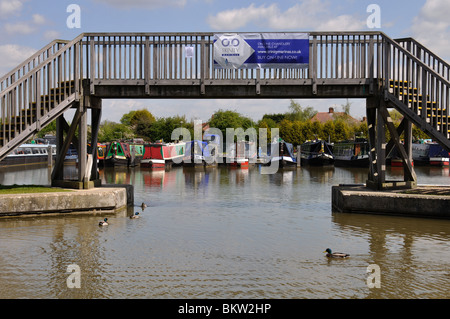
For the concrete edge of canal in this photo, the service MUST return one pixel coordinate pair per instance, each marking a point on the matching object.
(105, 199)
(424, 201)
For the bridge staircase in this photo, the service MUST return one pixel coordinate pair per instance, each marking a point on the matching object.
(77, 74)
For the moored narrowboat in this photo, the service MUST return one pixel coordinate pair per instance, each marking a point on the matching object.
(317, 153)
(351, 153)
(285, 157)
(27, 154)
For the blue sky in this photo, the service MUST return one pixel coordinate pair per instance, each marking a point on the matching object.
(28, 25)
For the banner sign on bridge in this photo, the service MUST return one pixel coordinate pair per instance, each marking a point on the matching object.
(261, 50)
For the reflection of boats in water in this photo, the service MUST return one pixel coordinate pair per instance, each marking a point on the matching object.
(27, 154)
(351, 153)
(317, 153)
(160, 155)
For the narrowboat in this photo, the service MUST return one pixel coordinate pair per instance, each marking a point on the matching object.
(438, 155)
(351, 153)
(136, 151)
(27, 154)
(285, 156)
(199, 154)
(317, 153)
(241, 154)
(160, 155)
(101, 153)
(118, 155)
(71, 157)
(420, 153)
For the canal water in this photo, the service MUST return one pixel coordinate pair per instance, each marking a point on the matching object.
(226, 233)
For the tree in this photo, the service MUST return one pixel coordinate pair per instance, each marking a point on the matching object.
(222, 120)
(110, 131)
(297, 113)
(346, 107)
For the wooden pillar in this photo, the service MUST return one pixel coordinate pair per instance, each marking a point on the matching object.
(60, 121)
(371, 112)
(82, 141)
(96, 114)
(381, 149)
(59, 165)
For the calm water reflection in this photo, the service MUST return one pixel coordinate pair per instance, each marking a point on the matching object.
(225, 234)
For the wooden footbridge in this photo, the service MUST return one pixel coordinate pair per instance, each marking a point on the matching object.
(78, 74)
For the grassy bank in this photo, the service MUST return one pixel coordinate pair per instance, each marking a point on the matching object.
(29, 189)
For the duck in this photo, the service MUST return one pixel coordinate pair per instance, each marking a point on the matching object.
(136, 215)
(330, 254)
(103, 222)
(143, 206)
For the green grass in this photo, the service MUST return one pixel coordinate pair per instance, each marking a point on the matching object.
(29, 189)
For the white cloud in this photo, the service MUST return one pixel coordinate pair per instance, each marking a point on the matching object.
(144, 3)
(19, 28)
(25, 27)
(12, 55)
(307, 15)
(432, 27)
(38, 19)
(9, 7)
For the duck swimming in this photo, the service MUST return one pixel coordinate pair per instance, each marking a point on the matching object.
(103, 222)
(143, 206)
(136, 215)
(330, 254)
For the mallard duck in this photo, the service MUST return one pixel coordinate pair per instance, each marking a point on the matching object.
(330, 254)
(103, 222)
(143, 206)
(136, 215)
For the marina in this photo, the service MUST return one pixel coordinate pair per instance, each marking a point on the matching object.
(225, 233)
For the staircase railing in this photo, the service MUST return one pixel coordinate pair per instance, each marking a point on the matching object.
(424, 94)
(40, 94)
(31, 63)
(425, 55)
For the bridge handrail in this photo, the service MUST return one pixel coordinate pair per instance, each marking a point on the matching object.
(418, 48)
(30, 64)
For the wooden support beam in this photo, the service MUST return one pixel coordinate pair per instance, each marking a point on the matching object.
(410, 175)
(96, 115)
(82, 145)
(59, 165)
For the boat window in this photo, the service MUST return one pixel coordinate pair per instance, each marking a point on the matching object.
(100, 152)
(28, 151)
(43, 151)
(35, 151)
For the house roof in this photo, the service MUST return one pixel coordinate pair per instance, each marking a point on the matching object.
(331, 115)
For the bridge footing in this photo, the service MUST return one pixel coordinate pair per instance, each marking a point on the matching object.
(423, 201)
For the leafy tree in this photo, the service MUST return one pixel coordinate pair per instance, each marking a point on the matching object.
(126, 118)
(298, 113)
(110, 131)
(223, 119)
